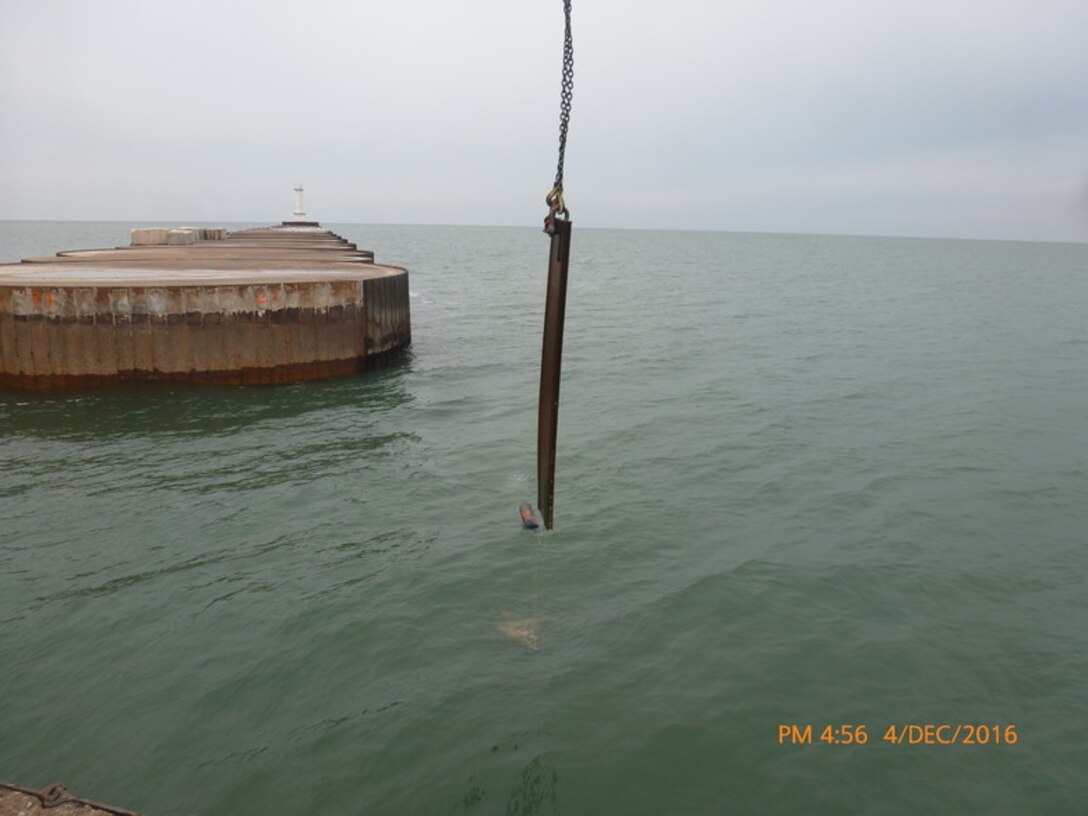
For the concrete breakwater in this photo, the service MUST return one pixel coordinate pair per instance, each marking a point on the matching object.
(274, 304)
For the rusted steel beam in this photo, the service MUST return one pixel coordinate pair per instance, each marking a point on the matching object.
(555, 307)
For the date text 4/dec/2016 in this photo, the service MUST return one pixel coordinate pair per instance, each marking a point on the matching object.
(899, 734)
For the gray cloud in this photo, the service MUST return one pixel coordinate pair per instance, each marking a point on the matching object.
(960, 117)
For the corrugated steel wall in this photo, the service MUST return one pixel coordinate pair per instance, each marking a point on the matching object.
(70, 336)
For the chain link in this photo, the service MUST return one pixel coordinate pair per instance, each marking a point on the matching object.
(555, 197)
(566, 95)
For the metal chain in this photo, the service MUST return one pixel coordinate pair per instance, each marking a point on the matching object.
(566, 95)
(555, 198)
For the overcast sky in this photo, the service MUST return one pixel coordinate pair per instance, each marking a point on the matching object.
(958, 118)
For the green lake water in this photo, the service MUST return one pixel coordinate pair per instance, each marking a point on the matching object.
(801, 481)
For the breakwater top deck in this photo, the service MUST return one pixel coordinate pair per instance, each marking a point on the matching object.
(251, 256)
(272, 304)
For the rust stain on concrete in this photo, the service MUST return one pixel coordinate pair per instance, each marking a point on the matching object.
(267, 305)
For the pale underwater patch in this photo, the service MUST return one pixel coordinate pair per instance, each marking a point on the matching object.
(524, 631)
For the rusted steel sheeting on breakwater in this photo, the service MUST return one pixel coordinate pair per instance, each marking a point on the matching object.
(270, 305)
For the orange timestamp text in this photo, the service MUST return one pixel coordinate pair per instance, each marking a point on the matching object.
(899, 734)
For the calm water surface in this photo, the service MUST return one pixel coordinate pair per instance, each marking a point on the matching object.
(801, 480)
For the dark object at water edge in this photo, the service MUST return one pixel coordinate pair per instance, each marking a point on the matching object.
(528, 517)
(19, 801)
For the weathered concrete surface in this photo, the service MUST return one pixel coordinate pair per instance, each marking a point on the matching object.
(15, 801)
(149, 236)
(181, 237)
(276, 304)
